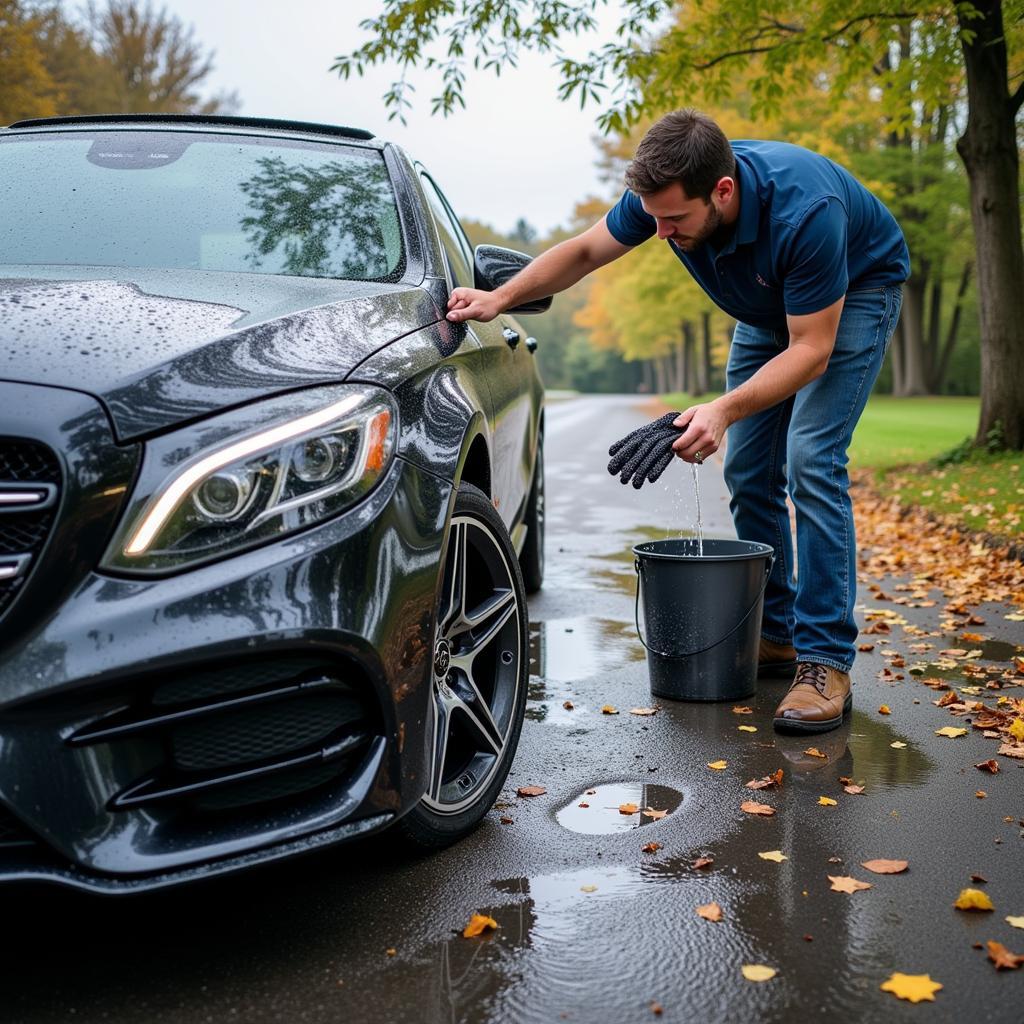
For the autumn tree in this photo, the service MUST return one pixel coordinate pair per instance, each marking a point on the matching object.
(27, 89)
(633, 76)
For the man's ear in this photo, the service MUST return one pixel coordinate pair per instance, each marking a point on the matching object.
(725, 188)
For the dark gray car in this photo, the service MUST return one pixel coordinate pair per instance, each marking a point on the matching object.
(265, 514)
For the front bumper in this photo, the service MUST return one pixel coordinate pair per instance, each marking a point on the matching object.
(153, 731)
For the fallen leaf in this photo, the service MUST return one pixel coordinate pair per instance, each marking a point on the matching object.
(742, 710)
(747, 728)
(1016, 729)
(568, 705)
(583, 803)
(710, 912)
(973, 899)
(718, 765)
(478, 923)
(776, 855)
(865, 648)
(896, 745)
(628, 808)
(1015, 922)
(656, 1009)
(815, 752)
(835, 860)
(390, 952)
(973, 638)
(884, 710)
(507, 821)
(588, 888)
(991, 765)
(643, 711)
(754, 808)
(609, 709)
(853, 790)
(650, 812)
(1011, 750)
(950, 732)
(767, 781)
(1002, 957)
(650, 848)
(953, 652)
(980, 794)
(978, 878)
(758, 972)
(530, 791)
(1015, 616)
(703, 862)
(845, 780)
(915, 987)
(948, 698)
(885, 867)
(846, 883)
(826, 801)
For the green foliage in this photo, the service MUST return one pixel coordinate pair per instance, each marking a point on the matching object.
(900, 431)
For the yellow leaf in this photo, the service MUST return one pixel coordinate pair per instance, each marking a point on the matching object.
(1015, 922)
(915, 987)
(1015, 617)
(884, 710)
(628, 808)
(973, 899)
(1017, 729)
(609, 709)
(718, 765)
(826, 801)
(897, 745)
(758, 972)
(815, 752)
(776, 855)
(478, 923)
(710, 912)
(643, 711)
(588, 888)
(950, 732)
(747, 728)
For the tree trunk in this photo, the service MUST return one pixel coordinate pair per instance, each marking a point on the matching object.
(706, 347)
(660, 376)
(692, 386)
(896, 355)
(680, 379)
(953, 329)
(913, 380)
(988, 149)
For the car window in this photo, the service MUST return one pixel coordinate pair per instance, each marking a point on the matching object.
(182, 200)
(453, 238)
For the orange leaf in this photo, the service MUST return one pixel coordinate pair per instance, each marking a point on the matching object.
(530, 791)
(884, 710)
(478, 923)
(703, 862)
(643, 711)
(742, 710)
(853, 790)
(710, 912)
(649, 812)
(1003, 958)
(815, 752)
(568, 705)
(651, 848)
(845, 883)
(915, 987)
(609, 709)
(885, 867)
(628, 808)
(767, 781)
(754, 808)
(1011, 749)
(991, 765)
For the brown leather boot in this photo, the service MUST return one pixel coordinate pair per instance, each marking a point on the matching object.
(817, 700)
(775, 661)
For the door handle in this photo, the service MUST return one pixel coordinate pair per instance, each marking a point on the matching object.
(511, 337)
(531, 344)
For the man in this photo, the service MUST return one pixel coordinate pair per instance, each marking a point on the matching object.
(810, 265)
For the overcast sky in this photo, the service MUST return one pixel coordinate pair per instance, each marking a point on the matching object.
(516, 151)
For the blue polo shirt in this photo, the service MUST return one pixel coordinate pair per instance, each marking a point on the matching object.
(807, 233)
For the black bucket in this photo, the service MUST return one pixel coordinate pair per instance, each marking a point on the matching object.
(702, 613)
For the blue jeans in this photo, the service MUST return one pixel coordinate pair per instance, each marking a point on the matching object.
(802, 443)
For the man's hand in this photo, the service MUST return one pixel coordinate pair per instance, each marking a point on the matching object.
(705, 426)
(473, 304)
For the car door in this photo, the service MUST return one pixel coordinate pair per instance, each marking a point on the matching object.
(508, 369)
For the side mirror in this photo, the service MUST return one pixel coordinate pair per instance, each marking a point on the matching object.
(494, 265)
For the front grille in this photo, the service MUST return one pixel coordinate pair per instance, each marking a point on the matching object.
(241, 734)
(23, 531)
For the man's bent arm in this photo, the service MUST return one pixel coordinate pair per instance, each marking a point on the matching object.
(558, 268)
(811, 340)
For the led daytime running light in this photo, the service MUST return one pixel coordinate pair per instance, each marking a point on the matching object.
(165, 505)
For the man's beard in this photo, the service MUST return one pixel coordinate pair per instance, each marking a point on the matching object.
(713, 221)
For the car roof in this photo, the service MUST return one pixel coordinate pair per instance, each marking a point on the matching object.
(208, 122)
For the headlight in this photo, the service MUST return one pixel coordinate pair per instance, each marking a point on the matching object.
(253, 475)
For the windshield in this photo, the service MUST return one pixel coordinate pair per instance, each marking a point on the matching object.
(185, 200)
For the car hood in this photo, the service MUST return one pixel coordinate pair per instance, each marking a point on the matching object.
(161, 347)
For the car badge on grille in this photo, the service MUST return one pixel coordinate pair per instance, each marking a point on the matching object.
(26, 497)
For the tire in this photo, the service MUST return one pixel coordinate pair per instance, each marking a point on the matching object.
(531, 558)
(479, 676)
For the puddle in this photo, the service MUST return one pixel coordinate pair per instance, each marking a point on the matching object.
(601, 816)
(566, 650)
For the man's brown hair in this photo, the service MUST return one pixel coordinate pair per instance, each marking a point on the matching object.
(685, 146)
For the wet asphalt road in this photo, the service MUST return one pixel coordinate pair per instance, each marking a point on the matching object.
(308, 940)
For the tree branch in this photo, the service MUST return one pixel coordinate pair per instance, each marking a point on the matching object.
(894, 15)
(1016, 99)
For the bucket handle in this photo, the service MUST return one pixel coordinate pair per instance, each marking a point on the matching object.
(725, 636)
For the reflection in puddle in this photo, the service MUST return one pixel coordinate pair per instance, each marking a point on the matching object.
(877, 764)
(601, 815)
(565, 650)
